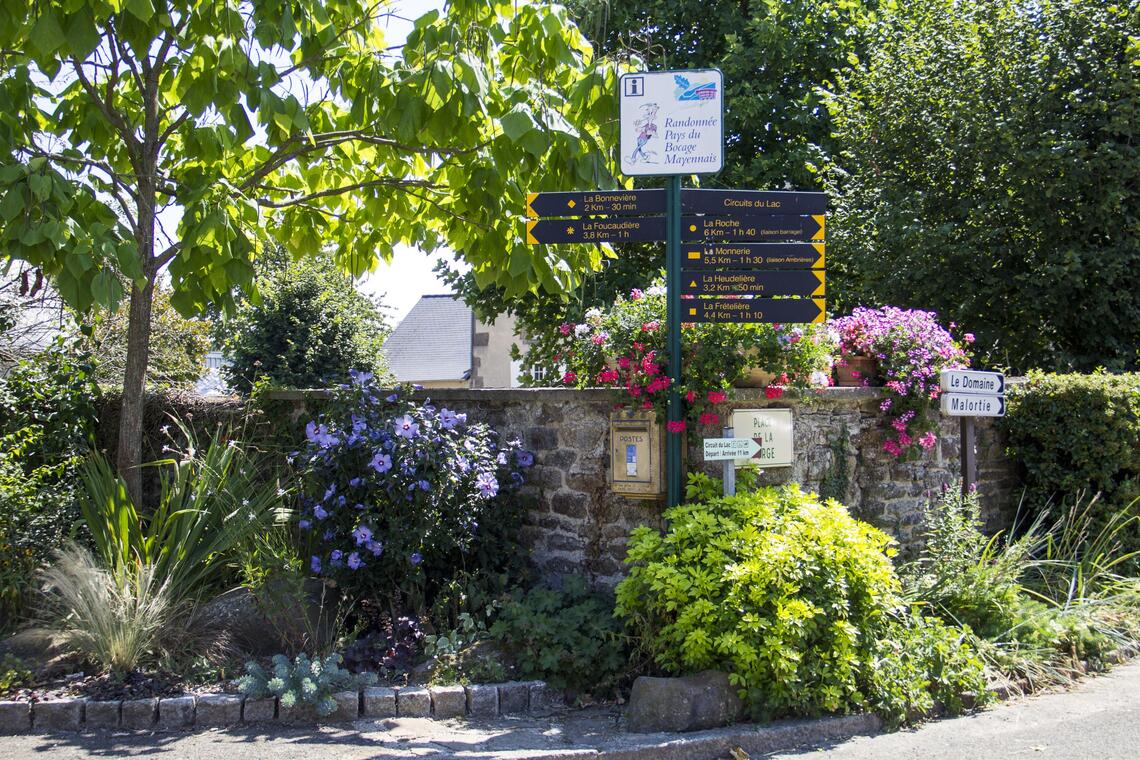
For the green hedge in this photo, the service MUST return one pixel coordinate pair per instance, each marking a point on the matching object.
(1077, 434)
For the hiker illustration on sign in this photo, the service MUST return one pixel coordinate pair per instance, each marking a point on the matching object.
(646, 125)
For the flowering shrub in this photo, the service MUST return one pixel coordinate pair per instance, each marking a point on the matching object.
(392, 487)
(912, 350)
(799, 355)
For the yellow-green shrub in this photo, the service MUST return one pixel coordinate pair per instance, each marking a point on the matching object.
(784, 592)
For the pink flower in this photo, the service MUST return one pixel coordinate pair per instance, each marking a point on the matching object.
(904, 439)
(690, 396)
(623, 362)
(927, 440)
(599, 339)
(569, 378)
(892, 448)
(856, 374)
(658, 384)
(608, 376)
(968, 337)
(773, 391)
(565, 328)
(709, 418)
(899, 425)
(717, 397)
(675, 426)
(646, 405)
(634, 390)
(651, 326)
(635, 294)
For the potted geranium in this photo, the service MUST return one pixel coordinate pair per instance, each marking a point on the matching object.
(910, 349)
(788, 355)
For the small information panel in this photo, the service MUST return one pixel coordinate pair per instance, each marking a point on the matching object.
(672, 122)
(771, 429)
(636, 455)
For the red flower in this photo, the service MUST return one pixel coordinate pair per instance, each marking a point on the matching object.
(569, 378)
(773, 391)
(675, 426)
(623, 362)
(690, 396)
(647, 405)
(608, 376)
(717, 397)
(709, 418)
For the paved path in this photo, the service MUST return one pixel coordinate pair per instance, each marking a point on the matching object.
(1099, 720)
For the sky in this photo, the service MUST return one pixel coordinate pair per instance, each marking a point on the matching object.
(409, 276)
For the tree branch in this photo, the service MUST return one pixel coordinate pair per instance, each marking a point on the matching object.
(387, 182)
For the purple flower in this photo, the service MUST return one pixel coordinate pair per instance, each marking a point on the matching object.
(303, 524)
(354, 482)
(524, 458)
(425, 486)
(486, 484)
(359, 378)
(319, 512)
(381, 462)
(362, 534)
(315, 564)
(376, 547)
(407, 427)
(394, 397)
(416, 558)
(448, 419)
(320, 435)
(355, 562)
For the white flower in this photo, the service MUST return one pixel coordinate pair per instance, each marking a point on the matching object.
(581, 330)
(819, 378)
(655, 290)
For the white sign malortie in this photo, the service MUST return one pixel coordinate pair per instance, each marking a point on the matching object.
(672, 122)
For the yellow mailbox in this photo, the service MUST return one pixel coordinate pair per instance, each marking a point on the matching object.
(637, 455)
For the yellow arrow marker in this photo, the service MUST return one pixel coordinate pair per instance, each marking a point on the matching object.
(819, 220)
(818, 291)
(822, 304)
(531, 239)
(819, 262)
(529, 209)
(694, 255)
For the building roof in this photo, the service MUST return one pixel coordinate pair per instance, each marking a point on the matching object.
(432, 343)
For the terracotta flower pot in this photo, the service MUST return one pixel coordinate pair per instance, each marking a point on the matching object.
(856, 371)
(754, 377)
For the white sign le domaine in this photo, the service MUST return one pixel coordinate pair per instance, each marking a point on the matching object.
(672, 122)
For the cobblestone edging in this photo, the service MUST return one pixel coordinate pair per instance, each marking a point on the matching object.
(533, 698)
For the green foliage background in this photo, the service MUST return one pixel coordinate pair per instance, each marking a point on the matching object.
(986, 167)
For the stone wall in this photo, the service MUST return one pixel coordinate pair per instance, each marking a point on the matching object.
(579, 526)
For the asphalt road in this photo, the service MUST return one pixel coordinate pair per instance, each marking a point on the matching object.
(1097, 720)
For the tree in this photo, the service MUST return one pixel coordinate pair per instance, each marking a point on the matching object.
(989, 170)
(178, 345)
(309, 327)
(290, 121)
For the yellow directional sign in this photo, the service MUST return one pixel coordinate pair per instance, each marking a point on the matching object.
(628, 229)
(754, 310)
(773, 228)
(730, 255)
(751, 282)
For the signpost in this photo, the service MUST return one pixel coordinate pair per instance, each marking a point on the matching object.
(754, 256)
(731, 448)
(969, 394)
(724, 310)
(769, 243)
(602, 202)
(803, 282)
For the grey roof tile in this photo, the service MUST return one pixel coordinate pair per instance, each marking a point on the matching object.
(433, 342)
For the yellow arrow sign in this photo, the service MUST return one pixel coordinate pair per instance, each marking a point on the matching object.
(819, 276)
(819, 220)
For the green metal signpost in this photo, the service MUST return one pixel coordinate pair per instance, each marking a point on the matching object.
(727, 252)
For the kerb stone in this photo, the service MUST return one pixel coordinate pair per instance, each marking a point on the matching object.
(175, 713)
(347, 707)
(102, 714)
(483, 701)
(379, 702)
(543, 699)
(58, 715)
(259, 710)
(218, 710)
(514, 698)
(139, 714)
(15, 717)
(413, 703)
(448, 701)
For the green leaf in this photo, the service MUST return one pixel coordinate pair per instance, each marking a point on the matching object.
(13, 203)
(516, 124)
(143, 10)
(47, 35)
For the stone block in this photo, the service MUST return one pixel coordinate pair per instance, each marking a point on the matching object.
(691, 703)
(570, 503)
(218, 710)
(175, 713)
(15, 717)
(541, 439)
(139, 714)
(259, 710)
(379, 702)
(448, 702)
(543, 699)
(347, 707)
(102, 714)
(483, 701)
(58, 715)
(514, 698)
(413, 702)
(302, 714)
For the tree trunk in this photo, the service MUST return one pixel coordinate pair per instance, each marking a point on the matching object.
(129, 455)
